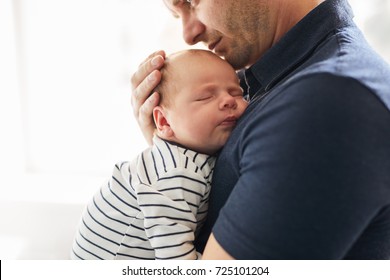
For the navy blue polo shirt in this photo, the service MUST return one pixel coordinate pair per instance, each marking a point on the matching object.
(306, 172)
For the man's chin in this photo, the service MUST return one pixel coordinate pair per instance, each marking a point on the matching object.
(235, 62)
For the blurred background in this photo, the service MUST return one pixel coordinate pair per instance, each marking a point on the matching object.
(65, 114)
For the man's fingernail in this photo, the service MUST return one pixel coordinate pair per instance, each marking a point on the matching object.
(156, 60)
(152, 77)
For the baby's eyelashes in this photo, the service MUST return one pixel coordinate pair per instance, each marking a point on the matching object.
(203, 98)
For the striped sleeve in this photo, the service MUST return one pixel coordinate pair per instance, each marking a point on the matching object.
(106, 219)
(170, 218)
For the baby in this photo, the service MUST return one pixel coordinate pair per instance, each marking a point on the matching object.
(153, 206)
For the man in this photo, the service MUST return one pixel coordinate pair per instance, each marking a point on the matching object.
(305, 174)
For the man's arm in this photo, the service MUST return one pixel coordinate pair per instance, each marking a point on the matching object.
(214, 250)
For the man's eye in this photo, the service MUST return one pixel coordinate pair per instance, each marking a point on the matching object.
(190, 2)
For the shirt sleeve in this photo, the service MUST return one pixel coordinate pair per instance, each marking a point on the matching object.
(170, 209)
(311, 168)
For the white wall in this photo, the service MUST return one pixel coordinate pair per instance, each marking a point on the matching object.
(76, 58)
(11, 154)
(373, 17)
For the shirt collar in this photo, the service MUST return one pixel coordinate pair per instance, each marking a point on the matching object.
(199, 159)
(296, 45)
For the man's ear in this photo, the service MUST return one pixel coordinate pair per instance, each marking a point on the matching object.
(164, 129)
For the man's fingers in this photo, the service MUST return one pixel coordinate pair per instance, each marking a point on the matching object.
(153, 62)
(157, 53)
(142, 92)
(146, 110)
(145, 117)
(143, 81)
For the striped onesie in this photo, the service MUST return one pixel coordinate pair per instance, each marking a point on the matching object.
(151, 208)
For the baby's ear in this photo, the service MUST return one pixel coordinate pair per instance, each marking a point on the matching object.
(164, 129)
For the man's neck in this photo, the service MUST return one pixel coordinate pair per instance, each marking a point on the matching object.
(290, 12)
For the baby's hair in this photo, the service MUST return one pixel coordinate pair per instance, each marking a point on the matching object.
(167, 86)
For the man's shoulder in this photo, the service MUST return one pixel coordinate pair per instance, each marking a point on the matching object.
(324, 99)
(328, 87)
(346, 56)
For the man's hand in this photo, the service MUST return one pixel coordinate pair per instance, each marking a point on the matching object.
(143, 81)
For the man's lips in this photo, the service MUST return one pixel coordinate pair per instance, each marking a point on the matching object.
(213, 45)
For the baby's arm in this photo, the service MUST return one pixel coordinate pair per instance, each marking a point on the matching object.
(170, 210)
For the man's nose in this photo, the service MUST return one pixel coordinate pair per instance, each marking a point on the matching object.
(192, 29)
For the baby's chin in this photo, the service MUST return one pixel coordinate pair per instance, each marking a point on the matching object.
(218, 147)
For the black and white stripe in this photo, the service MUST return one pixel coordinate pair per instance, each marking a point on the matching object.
(149, 209)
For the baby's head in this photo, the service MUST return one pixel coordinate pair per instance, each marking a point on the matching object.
(176, 66)
(200, 101)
